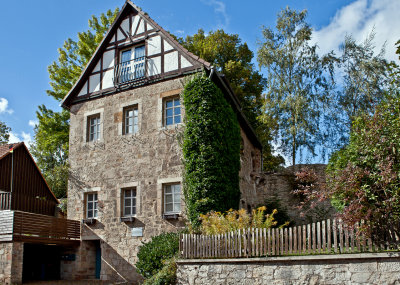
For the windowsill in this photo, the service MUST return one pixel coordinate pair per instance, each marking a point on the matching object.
(89, 221)
(128, 218)
(171, 216)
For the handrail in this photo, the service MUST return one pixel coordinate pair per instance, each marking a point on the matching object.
(5, 201)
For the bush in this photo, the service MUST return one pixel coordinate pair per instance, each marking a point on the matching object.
(211, 150)
(166, 276)
(218, 223)
(153, 254)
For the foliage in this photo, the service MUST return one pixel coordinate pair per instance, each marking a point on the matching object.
(166, 276)
(234, 59)
(365, 81)
(311, 191)
(281, 216)
(4, 133)
(152, 254)
(297, 86)
(50, 147)
(364, 177)
(219, 223)
(211, 150)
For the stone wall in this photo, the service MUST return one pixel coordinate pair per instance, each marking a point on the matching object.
(279, 186)
(146, 160)
(11, 257)
(368, 268)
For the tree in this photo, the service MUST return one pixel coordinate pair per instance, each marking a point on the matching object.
(4, 133)
(364, 177)
(233, 58)
(50, 147)
(364, 82)
(296, 86)
(211, 150)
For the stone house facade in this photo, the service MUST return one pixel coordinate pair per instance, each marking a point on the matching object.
(126, 162)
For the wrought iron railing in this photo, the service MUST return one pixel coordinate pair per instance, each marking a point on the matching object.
(131, 72)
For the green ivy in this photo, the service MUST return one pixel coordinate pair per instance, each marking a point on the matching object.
(211, 150)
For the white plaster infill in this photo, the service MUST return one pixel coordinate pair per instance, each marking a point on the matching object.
(333, 257)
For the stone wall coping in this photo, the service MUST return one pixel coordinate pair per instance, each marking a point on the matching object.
(334, 257)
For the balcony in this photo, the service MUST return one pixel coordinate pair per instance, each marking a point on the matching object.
(25, 203)
(36, 228)
(131, 73)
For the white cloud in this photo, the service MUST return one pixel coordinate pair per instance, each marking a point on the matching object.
(4, 106)
(359, 19)
(13, 138)
(26, 138)
(32, 123)
(219, 8)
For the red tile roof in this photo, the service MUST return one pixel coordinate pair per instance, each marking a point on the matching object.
(5, 148)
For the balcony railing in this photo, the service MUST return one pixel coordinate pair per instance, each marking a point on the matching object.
(25, 203)
(131, 72)
(41, 227)
(5, 201)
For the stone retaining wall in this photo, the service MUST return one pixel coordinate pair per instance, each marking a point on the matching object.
(368, 268)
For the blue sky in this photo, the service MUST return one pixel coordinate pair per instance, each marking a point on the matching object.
(32, 31)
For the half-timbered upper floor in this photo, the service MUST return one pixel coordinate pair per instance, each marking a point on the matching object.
(135, 51)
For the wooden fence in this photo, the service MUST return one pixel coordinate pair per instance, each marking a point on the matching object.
(326, 237)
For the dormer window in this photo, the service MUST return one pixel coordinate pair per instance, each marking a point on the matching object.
(132, 65)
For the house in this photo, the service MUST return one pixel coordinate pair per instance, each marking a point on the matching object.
(32, 238)
(126, 169)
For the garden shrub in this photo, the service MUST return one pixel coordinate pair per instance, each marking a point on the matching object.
(219, 223)
(166, 276)
(152, 254)
(211, 150)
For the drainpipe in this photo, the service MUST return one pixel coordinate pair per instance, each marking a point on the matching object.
(12, 166)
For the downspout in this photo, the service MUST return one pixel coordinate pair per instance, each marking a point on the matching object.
(12, 167)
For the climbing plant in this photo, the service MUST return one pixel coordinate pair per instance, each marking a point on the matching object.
(211, 150)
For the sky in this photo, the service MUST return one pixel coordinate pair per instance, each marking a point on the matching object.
(32, 31)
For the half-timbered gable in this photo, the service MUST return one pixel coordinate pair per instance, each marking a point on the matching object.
(135, 51)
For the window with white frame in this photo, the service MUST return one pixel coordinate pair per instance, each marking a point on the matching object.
(91, 205)
(172, 198)
(93, 128)
(132, 64)
(129, 200)
(130, 125)
(172, 111)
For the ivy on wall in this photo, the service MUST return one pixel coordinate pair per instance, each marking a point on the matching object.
(211, 150)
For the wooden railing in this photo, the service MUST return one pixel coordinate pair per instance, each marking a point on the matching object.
(326, 237)
(35, 227)
(5, 201)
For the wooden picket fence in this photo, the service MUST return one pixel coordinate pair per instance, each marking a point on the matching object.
(326, 237)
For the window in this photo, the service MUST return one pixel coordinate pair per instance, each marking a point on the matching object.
(130, 125)
(172, 198)
(172, 111)
(93, 128)
(129, 202)
(132, 64)
(91, 205)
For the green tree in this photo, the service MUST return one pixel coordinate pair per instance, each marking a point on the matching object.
(50, 147)
(211, 150)
(297, 88)
(364, 177)
(364, 82)
(233, 58)
(4, 133)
